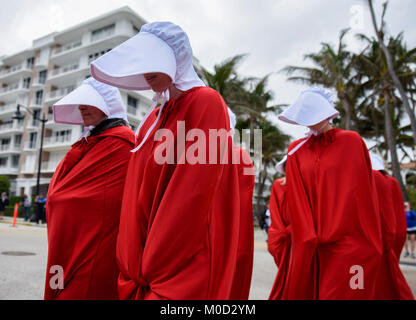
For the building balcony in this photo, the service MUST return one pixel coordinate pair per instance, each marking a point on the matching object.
(49, 166)
(57, 143)
(12, 91)
(31, 146)
(7, 170)
(55, 95)
(38, 83)
(15, 72)
(9, 148)
(67, 48)
(9, 108)
(11, 127)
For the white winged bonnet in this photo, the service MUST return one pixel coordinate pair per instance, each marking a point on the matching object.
(159, 47)
(90, 93)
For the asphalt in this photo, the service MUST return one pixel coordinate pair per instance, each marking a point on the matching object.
(23, 276)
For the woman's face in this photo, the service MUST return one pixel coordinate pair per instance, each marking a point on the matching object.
(318, 125)
(91, 116)
(158, 81)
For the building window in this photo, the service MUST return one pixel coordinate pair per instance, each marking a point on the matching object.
(17, 140)
(32, 140)
(132, 105)
(3, 162)
(39, 97)
(15, 160)
(62, 136)
(96, 55)
(30, 62)
(26, 83)
(35, 118)
(103, 32)
(42, 76)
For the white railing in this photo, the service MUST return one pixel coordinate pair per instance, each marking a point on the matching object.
(9, 148)
(11, 70)
(13, 87)
(61, 140)
(39, 81)
(56, 94)
(64, 70)
(9, 126)
(8, 107)
(31, 145)
(49, 166)
(67, 47)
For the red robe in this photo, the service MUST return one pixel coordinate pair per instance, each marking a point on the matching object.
(391, 284)
(401, 224)
(244, 267)
(336, 236)
(83, 211)
(279, 240)
(179, 228)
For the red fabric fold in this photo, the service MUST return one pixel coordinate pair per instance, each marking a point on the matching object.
(279, 241)
(83, 210)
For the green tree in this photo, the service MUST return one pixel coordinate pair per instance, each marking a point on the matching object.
(4, 184)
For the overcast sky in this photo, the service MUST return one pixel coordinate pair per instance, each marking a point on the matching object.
(275, 33)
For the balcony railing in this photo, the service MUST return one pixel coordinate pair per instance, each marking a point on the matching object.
(59, 93)
(9, 126)
(9, 148)
(31, 145)
(14, 86)
(67, 47)
(63, 70)
(61, 140)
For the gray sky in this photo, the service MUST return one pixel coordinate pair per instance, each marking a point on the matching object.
(274, 33)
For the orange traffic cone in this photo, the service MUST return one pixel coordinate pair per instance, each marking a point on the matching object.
(16, 211)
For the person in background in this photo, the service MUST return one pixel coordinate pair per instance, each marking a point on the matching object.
(411, 230)
(40, 202)
(26, 204)
(4, 202)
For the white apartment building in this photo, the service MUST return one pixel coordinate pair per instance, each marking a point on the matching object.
(38, 77)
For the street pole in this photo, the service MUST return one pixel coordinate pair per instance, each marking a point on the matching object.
(43, 121)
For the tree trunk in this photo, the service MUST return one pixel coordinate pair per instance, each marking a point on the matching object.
(393, 75)
(391, 144)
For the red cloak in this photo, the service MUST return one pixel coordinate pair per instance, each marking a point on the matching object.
(391, 284)
(83, 211)
(401, 224)
(244, 267)
(279, 240)
(180, 221)
(336, 236)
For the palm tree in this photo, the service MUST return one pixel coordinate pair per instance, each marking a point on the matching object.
(333, 69)
(391, 67)
(382, 108)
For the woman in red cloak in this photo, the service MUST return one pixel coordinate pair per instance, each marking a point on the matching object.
(179, 232)
(391, 284)
(279, 240)
(336, 236)
(84, 198)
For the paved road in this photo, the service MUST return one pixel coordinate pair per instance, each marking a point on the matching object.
(23, 277)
